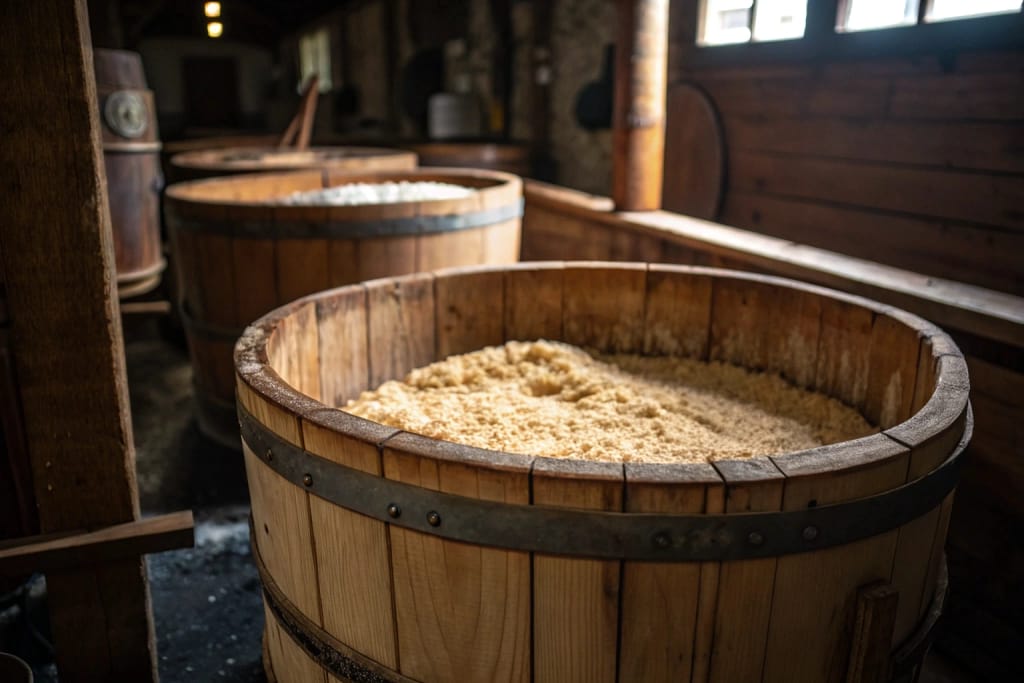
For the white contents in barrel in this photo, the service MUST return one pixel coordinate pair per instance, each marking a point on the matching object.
(352, 194)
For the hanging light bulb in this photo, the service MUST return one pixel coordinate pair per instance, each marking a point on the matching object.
(214, 29)
(211, 9)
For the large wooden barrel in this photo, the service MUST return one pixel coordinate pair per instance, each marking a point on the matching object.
(497, 156)
(390, 556)
(131, 155)
(208, 163)
(238, 256)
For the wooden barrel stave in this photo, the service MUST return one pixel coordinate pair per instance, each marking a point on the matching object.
(742, 614)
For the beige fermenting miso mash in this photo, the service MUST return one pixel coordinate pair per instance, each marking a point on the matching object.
(553, 399)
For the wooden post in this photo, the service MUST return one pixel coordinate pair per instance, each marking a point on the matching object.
(641, 58)
(58, 262)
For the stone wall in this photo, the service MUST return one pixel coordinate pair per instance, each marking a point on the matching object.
(580, 31)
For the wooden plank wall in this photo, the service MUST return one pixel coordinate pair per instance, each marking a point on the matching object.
(985, 550)
(914, 161)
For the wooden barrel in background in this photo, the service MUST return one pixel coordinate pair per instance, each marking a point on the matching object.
(220, 142)
(238, 256)
(176, 147)
(131, 155)
(496, 156)
(386, 555)
(208, 163)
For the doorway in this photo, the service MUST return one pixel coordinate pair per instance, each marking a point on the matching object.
(211, 92)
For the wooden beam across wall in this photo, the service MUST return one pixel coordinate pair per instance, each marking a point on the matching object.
(638, 140)
(57, 261)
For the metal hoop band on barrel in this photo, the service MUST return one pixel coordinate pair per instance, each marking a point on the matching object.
(132, 147)
(605, 535)
(383, 227)
(344, 662)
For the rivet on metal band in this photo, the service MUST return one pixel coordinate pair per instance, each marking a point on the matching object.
(608, 535)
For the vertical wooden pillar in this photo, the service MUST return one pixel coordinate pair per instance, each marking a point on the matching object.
(641, 61)
(58, 263)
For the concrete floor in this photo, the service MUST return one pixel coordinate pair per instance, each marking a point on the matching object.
(206, 600)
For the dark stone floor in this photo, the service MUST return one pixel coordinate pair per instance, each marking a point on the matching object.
(206, 600)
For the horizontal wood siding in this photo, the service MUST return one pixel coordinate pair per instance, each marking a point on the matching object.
(984, 550)
(916, 162)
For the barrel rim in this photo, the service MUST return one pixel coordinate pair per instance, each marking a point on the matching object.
(214, 159)
(947, 405)
(491, 188)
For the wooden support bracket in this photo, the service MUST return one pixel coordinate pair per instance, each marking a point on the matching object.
(53, 552)
(873, 627)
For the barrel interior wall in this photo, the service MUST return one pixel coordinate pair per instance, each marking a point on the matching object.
(507, 612)
(911, 160)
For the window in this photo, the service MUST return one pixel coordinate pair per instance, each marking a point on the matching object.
(941, 10)
(741, 21)
(729, 22)
(315, 58)
(865, 15)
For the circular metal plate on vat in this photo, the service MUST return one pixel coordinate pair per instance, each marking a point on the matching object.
(125, 113)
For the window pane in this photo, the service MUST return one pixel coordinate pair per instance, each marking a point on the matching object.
(315, 58)
(864, 15)
(779, 19)
(956, 9)
(726, 21)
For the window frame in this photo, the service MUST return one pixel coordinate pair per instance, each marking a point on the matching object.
(326, 81)
(821, 40)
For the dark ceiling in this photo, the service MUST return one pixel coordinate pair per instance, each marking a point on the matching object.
(262, 22)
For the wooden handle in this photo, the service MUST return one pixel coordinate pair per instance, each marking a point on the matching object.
(47, 553)
(300, 128)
